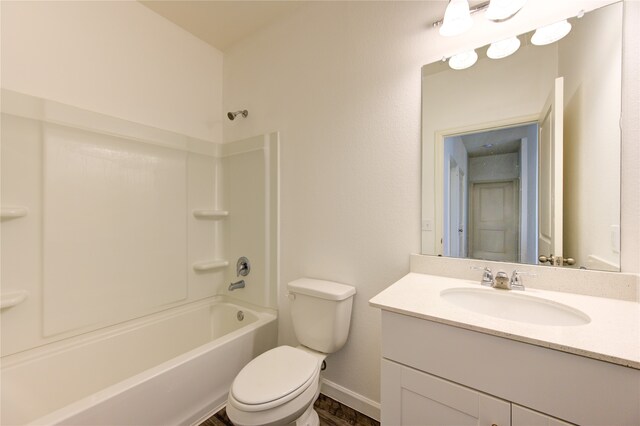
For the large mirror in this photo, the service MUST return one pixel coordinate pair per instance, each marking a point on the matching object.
(521, 155)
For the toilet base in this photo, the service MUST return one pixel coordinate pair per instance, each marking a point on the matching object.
(308, 418)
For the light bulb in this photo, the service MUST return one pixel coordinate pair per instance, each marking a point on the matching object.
(457, 18)
(463, 60)
(503, 48)
(500, 10)
(551, 33)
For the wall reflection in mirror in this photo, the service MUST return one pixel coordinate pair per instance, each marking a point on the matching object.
(521, 155)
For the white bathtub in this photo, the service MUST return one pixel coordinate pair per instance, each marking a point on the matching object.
(172, 368)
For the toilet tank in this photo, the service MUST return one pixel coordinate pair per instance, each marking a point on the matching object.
(321, 313)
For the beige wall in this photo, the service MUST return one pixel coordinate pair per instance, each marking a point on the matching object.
(341, 82)
(115, 58)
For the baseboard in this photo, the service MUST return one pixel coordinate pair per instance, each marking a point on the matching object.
(351, 399)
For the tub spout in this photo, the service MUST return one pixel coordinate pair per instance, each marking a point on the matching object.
(236, 285)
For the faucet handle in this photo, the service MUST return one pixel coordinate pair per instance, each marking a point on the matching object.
(516, 279)
(243, 267)
(487, 275)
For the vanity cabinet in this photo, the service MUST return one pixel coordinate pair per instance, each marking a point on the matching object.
(439, 374)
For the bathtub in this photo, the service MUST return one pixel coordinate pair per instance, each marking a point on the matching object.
(171, 368)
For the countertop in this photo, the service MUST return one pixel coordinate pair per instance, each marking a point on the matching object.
(612, 335)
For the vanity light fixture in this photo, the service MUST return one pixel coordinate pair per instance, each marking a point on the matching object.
(503, 48)
(457, 18)
(551, 33)
(501, 10)
(463, 60)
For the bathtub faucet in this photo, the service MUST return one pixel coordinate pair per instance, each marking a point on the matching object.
(236, 285)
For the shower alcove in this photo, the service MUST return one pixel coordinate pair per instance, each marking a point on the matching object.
(106, 222)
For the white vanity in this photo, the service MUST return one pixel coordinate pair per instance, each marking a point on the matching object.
(557, 358)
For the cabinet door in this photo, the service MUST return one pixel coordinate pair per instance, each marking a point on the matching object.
(525, 417)
(413, 398)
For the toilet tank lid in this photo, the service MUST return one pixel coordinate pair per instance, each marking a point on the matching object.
(328, 290)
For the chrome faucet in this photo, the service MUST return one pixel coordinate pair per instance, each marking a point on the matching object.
(236, 285)
(487, 275)
(516, 280)
(501, 280)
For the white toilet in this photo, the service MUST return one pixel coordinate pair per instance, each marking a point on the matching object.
(280, 386)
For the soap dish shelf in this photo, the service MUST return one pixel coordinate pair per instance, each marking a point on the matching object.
(210, 265)
(8, 213)
(12, 298)
(210, 214)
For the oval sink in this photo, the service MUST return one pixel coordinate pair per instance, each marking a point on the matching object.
(514, 306)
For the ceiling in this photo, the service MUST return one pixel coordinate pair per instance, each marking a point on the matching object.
(222, 23)
(494, 142)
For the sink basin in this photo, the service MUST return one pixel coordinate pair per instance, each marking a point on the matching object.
(514, 306)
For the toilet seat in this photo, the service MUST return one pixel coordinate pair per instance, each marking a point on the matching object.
(274, 378)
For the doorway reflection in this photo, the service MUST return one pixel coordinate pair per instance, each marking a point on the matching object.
(490, 194)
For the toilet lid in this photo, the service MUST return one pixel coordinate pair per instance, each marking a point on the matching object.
(274, 375)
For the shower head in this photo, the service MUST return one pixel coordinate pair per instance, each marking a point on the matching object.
(232, 115)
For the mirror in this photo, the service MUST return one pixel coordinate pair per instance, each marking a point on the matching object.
(521, 155)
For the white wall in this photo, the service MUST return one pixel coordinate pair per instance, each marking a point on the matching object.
(588, 61)
(341, 82)
(106, 59)
(630, 176)
(115, 58)
(343, 89)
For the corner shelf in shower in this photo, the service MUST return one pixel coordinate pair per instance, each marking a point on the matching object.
(8, 213)
(210, 265)
(210, 214)
(13, 298)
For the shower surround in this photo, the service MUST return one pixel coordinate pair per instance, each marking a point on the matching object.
(106, 222)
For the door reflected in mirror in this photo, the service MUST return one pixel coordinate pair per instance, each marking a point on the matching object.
(521, 156)
(496, 171)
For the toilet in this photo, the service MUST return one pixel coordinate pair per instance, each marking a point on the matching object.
(280, 386)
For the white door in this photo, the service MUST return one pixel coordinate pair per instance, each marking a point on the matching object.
(550, 173)
(462, 218)
(412, 397)
(456, 211)
(494, 221)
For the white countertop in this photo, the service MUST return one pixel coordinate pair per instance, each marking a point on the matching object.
(612, 335)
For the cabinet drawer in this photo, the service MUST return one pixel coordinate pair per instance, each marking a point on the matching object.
(521, 416)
